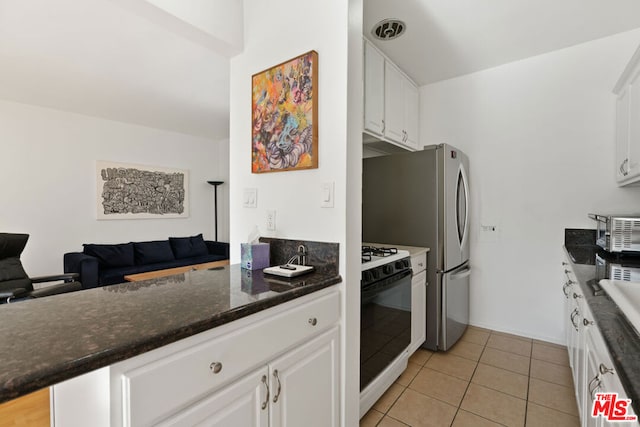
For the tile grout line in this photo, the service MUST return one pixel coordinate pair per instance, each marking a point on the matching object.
(526, 402)
(469, 382)
(404, 388)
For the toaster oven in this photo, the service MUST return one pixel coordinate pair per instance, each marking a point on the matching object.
(617, 269)
(618, 233)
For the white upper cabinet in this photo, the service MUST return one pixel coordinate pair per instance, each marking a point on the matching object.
(373, 90)
(627, 91)
(391, 101)
(411, 106)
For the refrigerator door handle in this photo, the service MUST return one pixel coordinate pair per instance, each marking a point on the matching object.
(461, 274)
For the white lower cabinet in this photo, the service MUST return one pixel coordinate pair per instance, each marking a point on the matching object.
(418, 311)
(589, 358)
(600, 377)
(299, 388)
(278, 367)
(418, 301)
(239, 404)
(304, 384)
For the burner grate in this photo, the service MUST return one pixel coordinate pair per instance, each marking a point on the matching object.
(370, 251)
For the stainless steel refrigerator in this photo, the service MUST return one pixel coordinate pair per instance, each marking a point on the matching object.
(422, 199)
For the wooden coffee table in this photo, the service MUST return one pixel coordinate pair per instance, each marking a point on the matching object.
(176, 270)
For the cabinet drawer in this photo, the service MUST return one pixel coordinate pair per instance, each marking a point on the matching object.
(160, 387)
(419, 263)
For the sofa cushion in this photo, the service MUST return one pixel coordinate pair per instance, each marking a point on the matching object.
(187, 247)
(120, 255)
(11, 269)
(153, 252)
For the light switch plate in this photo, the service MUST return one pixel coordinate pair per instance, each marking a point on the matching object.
(250, 198)
(326, 194)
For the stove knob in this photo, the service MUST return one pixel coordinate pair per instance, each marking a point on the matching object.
(387, 269)
(406, 263)
(366, 276)
(375, 273)
(399, 265)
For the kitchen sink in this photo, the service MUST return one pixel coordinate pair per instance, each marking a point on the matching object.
(627, 296)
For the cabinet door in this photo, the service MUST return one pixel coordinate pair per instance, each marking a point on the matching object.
(304, 384)
(373, 90)
(244, 403)
(633, 165)
(622, 135)
(411, 115)
(418, 310)
(601, 377)
(593, 385)
(393, 103)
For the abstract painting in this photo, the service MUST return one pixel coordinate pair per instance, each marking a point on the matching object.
(284, 116)
(126, 191)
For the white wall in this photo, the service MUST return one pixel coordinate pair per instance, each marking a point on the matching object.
(276, 32)
(539, 134)
(47, 180)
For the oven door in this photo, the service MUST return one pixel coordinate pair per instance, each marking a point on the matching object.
(385, 324)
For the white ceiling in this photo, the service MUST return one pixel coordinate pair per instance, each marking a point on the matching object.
(450, 38)
(123, 60)
(100, 58)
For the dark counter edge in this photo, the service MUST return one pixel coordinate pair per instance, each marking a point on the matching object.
(632, 388)
(35, 382)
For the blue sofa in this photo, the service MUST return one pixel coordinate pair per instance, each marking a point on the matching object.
(107, 264)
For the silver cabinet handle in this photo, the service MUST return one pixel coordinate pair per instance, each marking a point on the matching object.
(622, 167)
(564, 288)
(275, 375)
(384, 126)
(565, 263)
(266, 400)
(596, 385)
(586, 322)
(574, 313)
(576, 296)
(313, 321)
(215, 367)
(604, 370)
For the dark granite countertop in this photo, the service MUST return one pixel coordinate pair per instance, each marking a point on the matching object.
(621, 339)
(49, 340)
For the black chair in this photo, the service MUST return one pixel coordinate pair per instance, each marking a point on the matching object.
(14, 282)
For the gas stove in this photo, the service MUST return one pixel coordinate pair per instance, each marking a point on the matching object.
(376, 256)
(380, 263)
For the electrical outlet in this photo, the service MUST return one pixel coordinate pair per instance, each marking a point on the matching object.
(271, 220)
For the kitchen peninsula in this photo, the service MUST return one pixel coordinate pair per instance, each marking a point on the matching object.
(54, 339)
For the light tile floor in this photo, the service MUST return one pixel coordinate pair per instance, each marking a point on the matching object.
(487, 379)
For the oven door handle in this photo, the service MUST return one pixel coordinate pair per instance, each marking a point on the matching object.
(373, 289)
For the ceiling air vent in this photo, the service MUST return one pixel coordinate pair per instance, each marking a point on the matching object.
(388, 29)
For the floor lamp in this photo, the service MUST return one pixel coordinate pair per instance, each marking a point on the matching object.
(215, 202)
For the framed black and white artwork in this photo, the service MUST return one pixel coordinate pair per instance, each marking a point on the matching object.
(128, 191)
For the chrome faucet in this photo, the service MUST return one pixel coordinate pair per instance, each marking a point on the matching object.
(302, 255)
